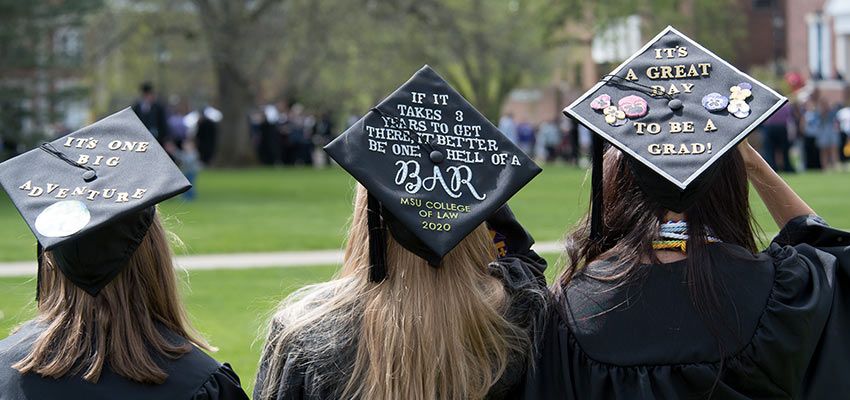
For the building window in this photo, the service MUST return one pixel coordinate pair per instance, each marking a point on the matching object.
(820, 47)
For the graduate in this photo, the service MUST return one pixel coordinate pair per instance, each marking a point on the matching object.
(109, 322)
(666, 294)
(429, 302)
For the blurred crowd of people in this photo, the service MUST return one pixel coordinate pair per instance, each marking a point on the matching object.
(809, 135)
(290, 135)
(189, 137)
(550, 141)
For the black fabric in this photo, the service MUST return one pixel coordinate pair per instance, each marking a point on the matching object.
(92, 260)
(195, 375)
(596, 199)
(39, 259)
(511, 234)
(377, 241)
(436, 164)
(783, 330)
(522, 275)
(52, 188)
(694, 72)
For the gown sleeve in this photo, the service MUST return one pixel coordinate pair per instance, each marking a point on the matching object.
(291, 383)
(223, 384)
(815, 258)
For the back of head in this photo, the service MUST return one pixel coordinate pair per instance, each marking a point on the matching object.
(422, 333)
(632, 219)
(121, 327)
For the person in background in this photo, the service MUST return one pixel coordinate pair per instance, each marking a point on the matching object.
(569, 144)
(811, 123)
(525, 137)
(206, 136)
(177, 128)
(550, 140)
(775, 143)
(152, 113)
(268, 136)
(508, 127)
(843, 116)
(322, 135)
(827, 138)
(305, 148)
(189, 161)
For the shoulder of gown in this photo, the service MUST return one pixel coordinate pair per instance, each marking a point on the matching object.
(292, 375)
(797, 350)
(811, 301)
(222, 384)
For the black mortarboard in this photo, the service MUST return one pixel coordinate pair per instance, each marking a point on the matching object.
(89, 196)
(434, 167)
(675, 108)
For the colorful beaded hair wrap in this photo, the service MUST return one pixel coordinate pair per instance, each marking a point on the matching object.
(674, 236)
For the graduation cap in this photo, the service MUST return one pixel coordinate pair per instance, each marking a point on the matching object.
(434, 167)
(675, 108)
(89, 196)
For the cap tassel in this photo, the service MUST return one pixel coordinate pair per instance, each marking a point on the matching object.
(596, 189)
(39, 256)
(377, 241)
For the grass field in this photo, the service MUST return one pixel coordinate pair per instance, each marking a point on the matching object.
(272, 210)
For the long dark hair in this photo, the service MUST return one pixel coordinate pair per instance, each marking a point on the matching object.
(631, 221)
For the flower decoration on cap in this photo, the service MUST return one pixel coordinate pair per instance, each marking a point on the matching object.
(614, 116)
(601, 102)
(738, 100)
(715, 102)
(633, 106)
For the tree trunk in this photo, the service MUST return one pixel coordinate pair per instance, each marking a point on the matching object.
(223, 27)
(234, 147)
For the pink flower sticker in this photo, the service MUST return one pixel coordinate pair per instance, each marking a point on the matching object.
(633, 106)
(600, 102)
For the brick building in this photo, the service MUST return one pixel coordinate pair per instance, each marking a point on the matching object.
(818, 47)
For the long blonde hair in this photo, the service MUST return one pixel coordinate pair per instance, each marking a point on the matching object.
(119, 326)
(423, 333)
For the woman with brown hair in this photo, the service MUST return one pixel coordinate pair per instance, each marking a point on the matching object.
(665, 294)
(109, 323)
(422, 308)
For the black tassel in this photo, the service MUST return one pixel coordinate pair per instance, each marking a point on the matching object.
(377, 241)
(596, 189)
(39, 256)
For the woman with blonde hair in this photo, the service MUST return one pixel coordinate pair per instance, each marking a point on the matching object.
(109, 323)
(421, 309)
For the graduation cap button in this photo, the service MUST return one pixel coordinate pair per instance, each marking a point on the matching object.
(89, 175)
(437, 156)
(675, 104)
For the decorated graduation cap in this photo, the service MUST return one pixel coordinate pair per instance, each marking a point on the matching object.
(89, 196)
(434, 167)
(676, 108)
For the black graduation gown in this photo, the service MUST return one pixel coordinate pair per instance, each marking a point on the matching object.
(523, 278)
(784, 325)
(194, 376)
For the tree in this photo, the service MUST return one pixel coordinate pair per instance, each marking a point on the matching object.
(233, 36)
(40, 56)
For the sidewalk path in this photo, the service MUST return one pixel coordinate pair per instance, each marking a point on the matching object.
(244, 260)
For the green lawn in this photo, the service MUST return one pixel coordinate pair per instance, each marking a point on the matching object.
(296, 209)
(268, 210)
